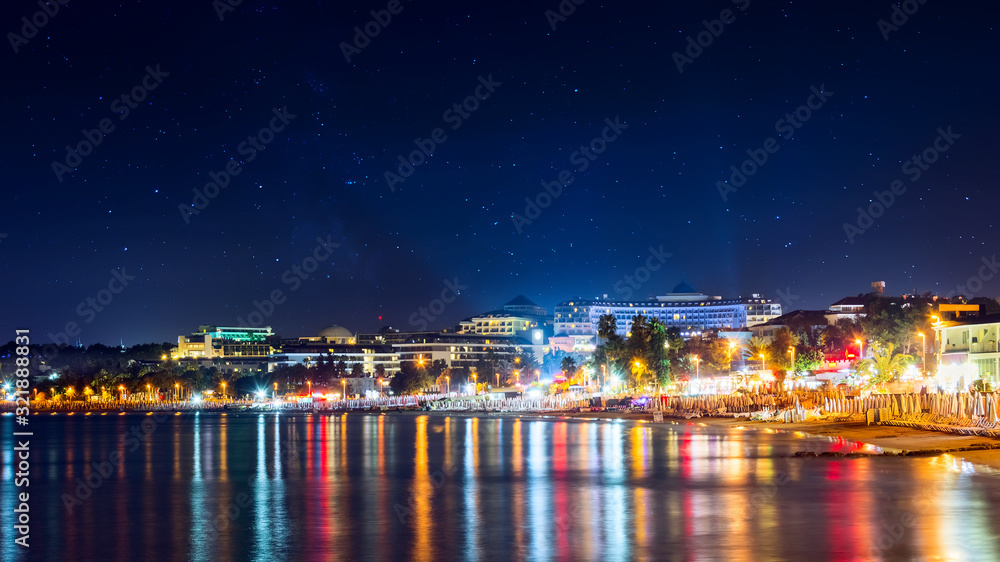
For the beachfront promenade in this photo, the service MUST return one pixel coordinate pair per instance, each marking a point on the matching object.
(966, 413)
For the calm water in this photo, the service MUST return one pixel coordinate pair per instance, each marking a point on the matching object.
(437, 487)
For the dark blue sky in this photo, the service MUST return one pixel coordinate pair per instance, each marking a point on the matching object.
(322, 174)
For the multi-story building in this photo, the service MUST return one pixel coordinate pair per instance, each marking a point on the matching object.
(760, 310)
(498, 323)
(211, 342)
(523, 306)
(456, 350)
(796, 320)
(689, 311)
(463, 350)
(849, 308)
(370, 357)
(331, 335)
(968, 348)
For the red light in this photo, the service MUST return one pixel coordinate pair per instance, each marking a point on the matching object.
(379, 317)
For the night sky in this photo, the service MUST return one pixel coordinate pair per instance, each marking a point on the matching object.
(211, 83)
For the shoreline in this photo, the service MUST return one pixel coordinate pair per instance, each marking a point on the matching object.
(980, 450)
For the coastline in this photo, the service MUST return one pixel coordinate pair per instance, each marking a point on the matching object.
(980, 450)
(985, 451)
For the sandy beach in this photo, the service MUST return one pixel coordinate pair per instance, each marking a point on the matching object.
(890, 438)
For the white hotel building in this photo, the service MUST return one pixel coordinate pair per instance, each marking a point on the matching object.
(689, 311)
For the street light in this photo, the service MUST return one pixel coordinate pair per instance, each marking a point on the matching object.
(697, 364)
(310, 388)
(149, 394)
(177, 392)
(763, 366)
(223, 391)
(275, 391)
(923, 351)
(861, 349)
(791, 350)
(343, 383)
(475, 390)
(448, 378)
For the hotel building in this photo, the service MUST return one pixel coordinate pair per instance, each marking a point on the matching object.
(211, 342)
(691, 312)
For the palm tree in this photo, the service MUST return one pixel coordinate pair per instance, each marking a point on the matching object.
(607, 327)
(756, 346)
(883, 365)
(569, 367)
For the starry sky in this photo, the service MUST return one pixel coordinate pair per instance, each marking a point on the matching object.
(207, 82)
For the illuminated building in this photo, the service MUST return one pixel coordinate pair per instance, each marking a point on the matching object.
(969, 347)
(690, 312)
(211, 342)
(760, 310)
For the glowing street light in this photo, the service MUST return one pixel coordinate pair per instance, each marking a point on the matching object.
(861, 349)
(763, 366)
(697, 365)
(923, 351)
(791, 350)
(275, 391)
(343, 382)
(310, 388)
(447, 378)
(223, 391)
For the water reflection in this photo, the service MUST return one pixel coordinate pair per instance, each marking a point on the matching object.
(435, 487)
